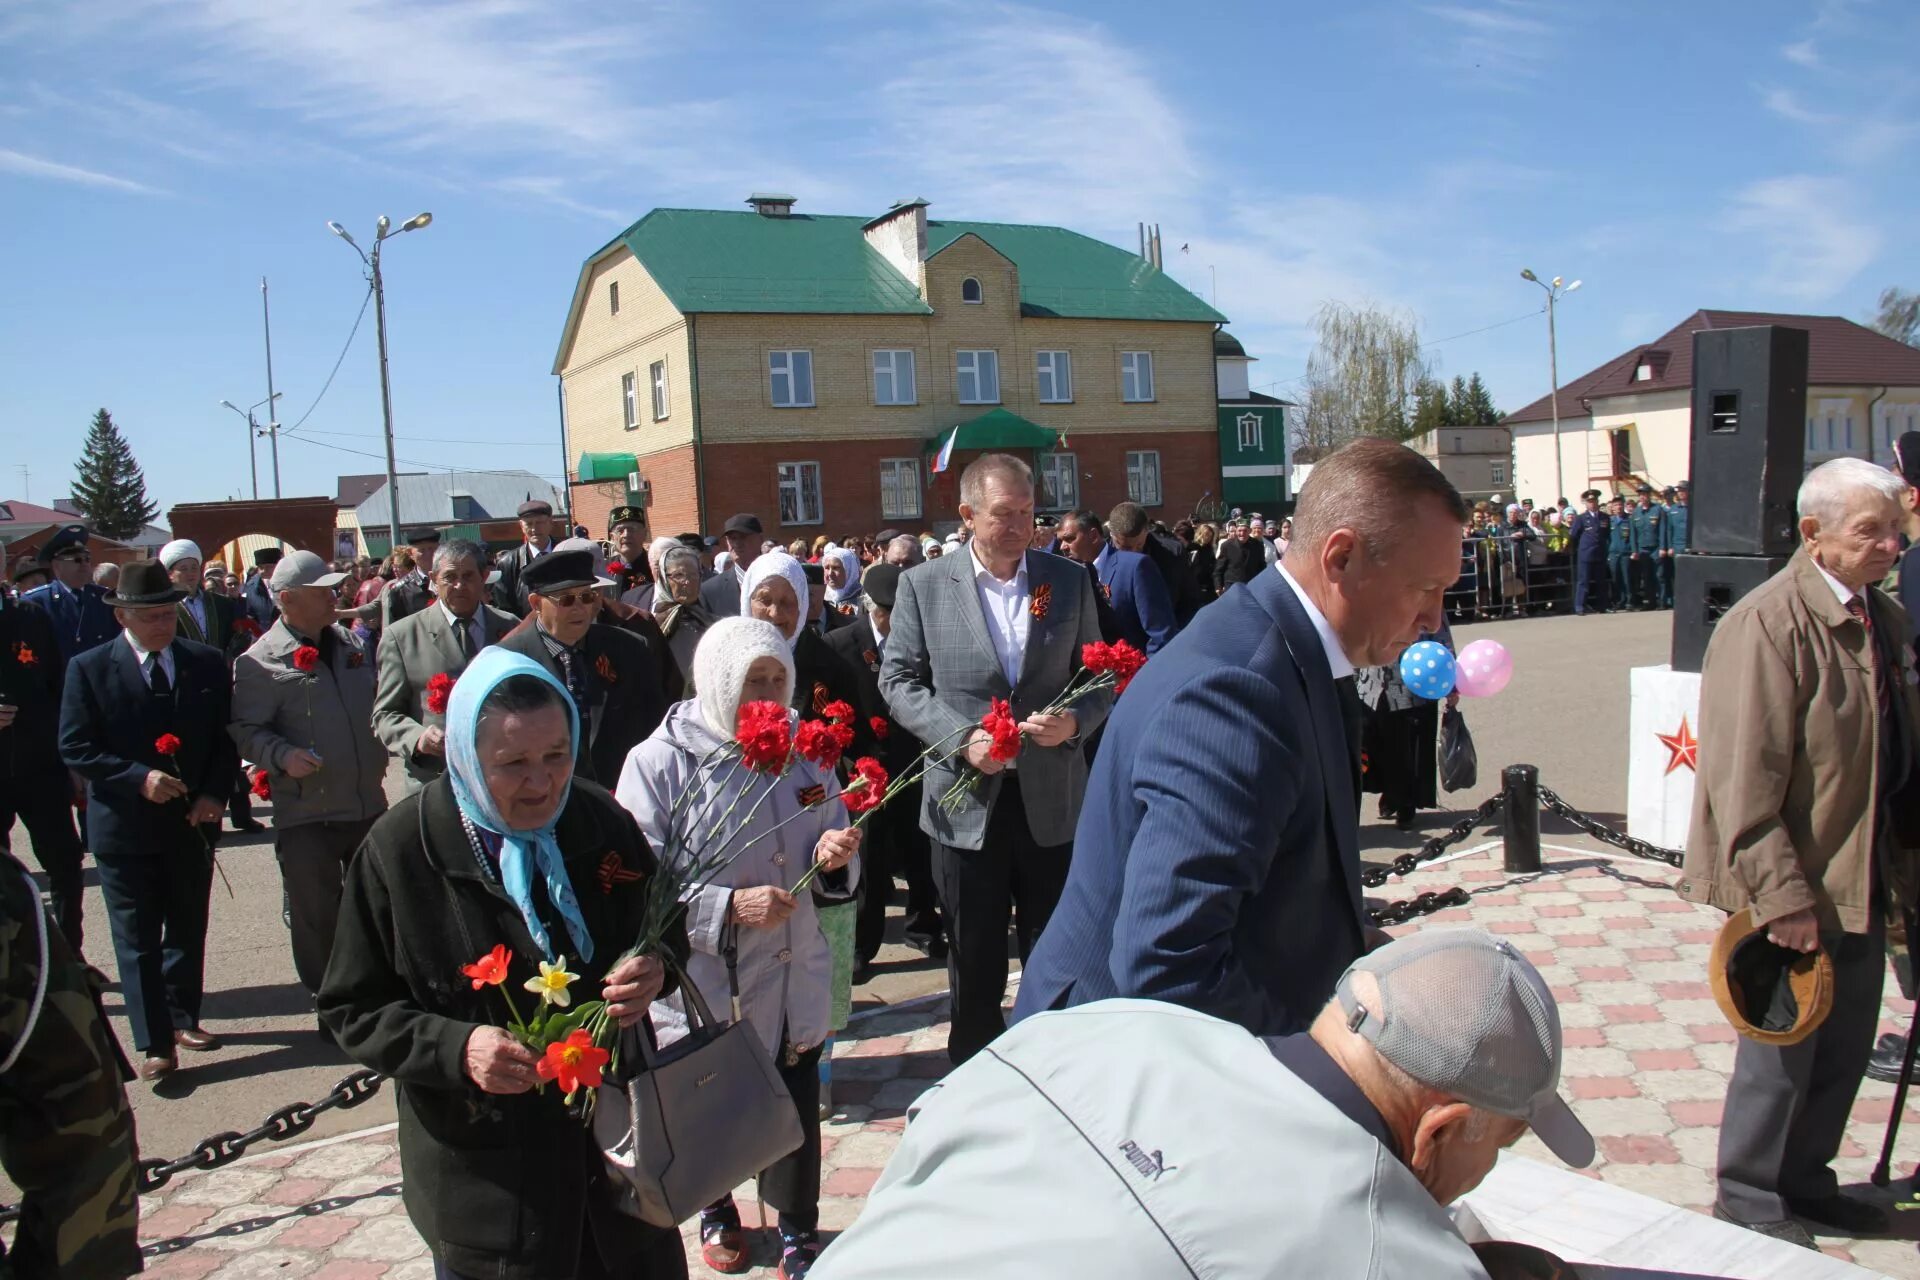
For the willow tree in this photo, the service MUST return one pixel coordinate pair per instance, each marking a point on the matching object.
(1363, 376)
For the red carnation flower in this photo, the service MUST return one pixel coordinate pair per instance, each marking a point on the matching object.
(167, 744)
(822, 742)
(765, 739)
(1119, 659)
(260, 786)
(306, 658)
(838, 711)
(246, 626)
(868, 786)
(1003, 729)
(439, 689)
(24, 655)
(880, 727)
(615, 566)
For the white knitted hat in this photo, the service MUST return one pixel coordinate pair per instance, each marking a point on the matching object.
(721, 662)
(776, 564)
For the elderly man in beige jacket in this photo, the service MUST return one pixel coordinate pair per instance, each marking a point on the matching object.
(1807, 714)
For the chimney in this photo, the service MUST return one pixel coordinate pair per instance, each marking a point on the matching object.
(900, 236)
(771, 204)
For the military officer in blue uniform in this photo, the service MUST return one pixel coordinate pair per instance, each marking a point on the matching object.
(1588, 535)
(1646, 522)
(1619, 553)
(1673, 539)
(81, 617)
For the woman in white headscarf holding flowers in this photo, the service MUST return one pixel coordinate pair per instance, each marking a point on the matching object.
(690, 792)
(507, 872)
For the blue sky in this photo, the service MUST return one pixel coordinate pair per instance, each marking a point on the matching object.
(157, 159)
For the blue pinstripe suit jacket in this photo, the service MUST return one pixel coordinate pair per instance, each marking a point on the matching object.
(1216, 864)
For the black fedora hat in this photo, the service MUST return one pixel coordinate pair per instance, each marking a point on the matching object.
(144, 584)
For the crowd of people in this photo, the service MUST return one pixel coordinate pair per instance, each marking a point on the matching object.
(550, 709)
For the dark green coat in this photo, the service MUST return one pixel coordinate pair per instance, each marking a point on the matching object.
(499, 1186)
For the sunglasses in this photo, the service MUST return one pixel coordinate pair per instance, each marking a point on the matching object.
(575, 599)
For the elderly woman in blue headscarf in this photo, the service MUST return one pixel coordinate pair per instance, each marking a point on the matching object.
(507, 849)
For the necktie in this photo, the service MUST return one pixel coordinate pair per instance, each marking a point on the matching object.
(1353, 715)
(463, 631)
(1882, 686)
(157, 677)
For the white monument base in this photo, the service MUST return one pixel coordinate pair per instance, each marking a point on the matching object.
(1662, 753)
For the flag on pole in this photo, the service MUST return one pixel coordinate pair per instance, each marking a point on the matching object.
(944, 457)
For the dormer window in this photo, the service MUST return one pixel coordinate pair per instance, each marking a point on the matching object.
(970, 290)
(1651, 366)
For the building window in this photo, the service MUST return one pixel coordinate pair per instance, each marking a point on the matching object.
(977, 377)
(629, 402)
(465, 509)
(1849, 433)
(1496, 473)
(613, 297)
(800, 493)
(970, 290)
(1252, 432)
(1059, 481)
(1136, 376)
(790, 379)
(657, 372)
(899, 488)
(893, 377)
(1053, 377)
(1459, 444)
(1143, 477)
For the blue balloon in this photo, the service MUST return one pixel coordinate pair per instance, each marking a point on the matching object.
(1427, 669)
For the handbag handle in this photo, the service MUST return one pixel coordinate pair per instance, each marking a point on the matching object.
(699, 1014)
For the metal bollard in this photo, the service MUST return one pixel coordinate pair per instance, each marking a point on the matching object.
(1521, 810)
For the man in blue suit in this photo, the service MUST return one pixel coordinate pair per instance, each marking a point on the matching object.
(76, 607)
(1133, 588)
(143, 719)
(255, 598)
(1229, 881)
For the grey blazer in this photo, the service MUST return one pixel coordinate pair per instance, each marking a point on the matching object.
(277, 708)
(413, 651)
(940, 671)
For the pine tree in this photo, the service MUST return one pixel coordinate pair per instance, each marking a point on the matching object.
(110, 490)
(1479, 407)
(1459, 404)
(1429, 406)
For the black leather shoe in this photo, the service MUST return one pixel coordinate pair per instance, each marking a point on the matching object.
(1888, 1054)
(1786, 1229)
(249, 827)
(1843, 1214)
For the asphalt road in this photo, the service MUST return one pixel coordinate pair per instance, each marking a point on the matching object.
(1565, 711)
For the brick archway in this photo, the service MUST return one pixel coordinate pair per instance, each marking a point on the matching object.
(305, 524)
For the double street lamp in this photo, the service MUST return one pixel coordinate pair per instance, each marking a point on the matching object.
(1555, 291)
(384, 231)
(253, 434)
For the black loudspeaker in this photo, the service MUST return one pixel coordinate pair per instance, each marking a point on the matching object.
(1704, 588)
(1749, 439)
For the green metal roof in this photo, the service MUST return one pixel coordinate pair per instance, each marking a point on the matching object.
(996, 429)
(606, 466)
(710, 260)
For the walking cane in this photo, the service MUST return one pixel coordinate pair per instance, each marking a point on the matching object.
(1881, 1170)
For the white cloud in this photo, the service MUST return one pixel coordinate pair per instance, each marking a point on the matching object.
(1787, 105)
(1802, 53)
(52, 171)
(1508, 37)
(1810, 246)
(553, 191)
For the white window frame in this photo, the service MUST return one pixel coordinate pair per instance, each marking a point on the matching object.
(1056, 369)
(1055, 468)
(1496, 472)
(1136, 377)
(978, 365)
(895, 364)
(629, 401)
(1144, 465)
(783, 371)
(657, 376)
(900, 488)
(979, 289)
(613, 297)
(791, 481)
(1253, 431)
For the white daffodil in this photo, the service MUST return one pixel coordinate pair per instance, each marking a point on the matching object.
(551, 985)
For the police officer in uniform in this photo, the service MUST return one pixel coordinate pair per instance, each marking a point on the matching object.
(1673, 539)
(1587, 533)
(76, 606)
(1646, 533)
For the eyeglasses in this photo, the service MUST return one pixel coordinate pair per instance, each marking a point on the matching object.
(575, 599)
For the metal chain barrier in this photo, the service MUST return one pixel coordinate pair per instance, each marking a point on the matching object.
(1559, 808)
(1426, 904)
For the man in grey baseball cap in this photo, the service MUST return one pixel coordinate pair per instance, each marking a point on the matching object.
(1140, 1139)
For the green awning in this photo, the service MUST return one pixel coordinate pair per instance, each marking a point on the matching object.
(607, 466)
(996, 429)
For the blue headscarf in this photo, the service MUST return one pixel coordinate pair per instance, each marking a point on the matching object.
(520, 851)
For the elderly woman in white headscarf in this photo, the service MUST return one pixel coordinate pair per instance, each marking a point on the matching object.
(844, 595)
(775, 591)
(745, 927)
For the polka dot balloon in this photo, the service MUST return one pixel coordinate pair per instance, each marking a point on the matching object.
(1485, 668)
(1427, 669)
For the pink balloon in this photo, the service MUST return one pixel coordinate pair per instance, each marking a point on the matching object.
(1485, 666)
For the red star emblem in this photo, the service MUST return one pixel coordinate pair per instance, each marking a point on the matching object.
(1683, 746)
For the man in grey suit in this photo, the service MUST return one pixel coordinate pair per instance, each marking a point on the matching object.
(440, 639)
(996, 621)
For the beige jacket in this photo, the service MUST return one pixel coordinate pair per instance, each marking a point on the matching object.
(1789, 756)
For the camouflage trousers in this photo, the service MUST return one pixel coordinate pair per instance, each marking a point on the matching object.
(66, 1130)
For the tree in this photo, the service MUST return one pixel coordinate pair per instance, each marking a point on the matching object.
(1430, 411)
(1478, 410)
(110, 490)
(1362, 375)
(1899, 316)
(1459, 410)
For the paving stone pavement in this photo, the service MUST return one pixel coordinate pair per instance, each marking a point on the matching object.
(1647, 1063)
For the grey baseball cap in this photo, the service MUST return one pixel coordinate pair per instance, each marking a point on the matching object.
(303, 569)
(1463, 1012)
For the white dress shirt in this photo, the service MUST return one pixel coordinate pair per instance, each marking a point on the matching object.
(1841, 590)
(1337, 660)
(879, 641)
(476, 630)
(1007, 606)
(140, 657)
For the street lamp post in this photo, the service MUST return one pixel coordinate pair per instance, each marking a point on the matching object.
(253, 434)
(1555, 291)
(383, 233)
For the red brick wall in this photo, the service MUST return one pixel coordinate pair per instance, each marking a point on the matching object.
(675, 508)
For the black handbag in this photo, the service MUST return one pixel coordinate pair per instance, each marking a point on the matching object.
(694, 1120)
(1459, 763)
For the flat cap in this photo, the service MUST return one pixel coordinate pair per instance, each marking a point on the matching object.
(744, 522)
(534, 507)
(424, 536)
(881, 582)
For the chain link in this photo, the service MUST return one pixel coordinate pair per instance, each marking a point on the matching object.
(1374, 877)
(1425, 904)
(1559, 808)
(224, 1148)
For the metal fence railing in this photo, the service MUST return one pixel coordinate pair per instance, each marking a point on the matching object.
(1505, 577)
